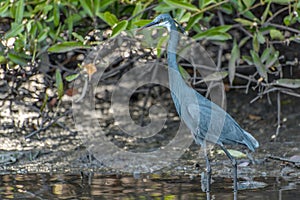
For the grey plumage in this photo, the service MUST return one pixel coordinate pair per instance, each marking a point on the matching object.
(206, 120)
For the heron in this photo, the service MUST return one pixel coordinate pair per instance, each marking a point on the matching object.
(196, 112)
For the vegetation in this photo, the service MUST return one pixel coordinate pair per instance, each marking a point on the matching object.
(254, 33)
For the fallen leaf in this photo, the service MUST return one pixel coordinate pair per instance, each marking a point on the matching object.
(90, 69)
(254, 117)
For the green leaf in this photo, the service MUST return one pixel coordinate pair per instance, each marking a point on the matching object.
(265, 55)
(142, 22)
(210, 35)
(272, 59)
(105, 3)
(67, 46)
(249, 15)
(290, 83)
(44, 102)
(185, 18)
(14, 31)
(234, 153)
(275, 34)
(78, 37)
(17, 59)
(19, 12)
(181, 5)
(255, 43)
(121, 26)
(205, 3)
(283, 2)
(265, 14)
(215, 33)
(2, 59)
(185, 75)
(248, 3)
(59, 84)
(259, 65)
(43, 35)
(87, 8)
(109, 18)
(216, 76)
(56, 14)
(163, 8)
(233, 62)
(4, 8)
(244, 22)
(71, 77)
(193, 20)
(260, 38)
(248, 59)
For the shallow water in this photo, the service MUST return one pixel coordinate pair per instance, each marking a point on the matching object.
(75, 186)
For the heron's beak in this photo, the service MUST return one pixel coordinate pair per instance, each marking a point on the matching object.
(147, 26)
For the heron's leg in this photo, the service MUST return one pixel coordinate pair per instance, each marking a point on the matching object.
(234, 164)
(208, 168)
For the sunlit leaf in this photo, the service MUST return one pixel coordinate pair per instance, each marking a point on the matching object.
(110, 18)
(276, 34)
(210, 35)
(234, 153)
(71, 77)
(4, 8)
(193, 20)
(185, 18)
(78, 37)
(244, 22)
(67, 46)
(121, 26)
(248, 3)
(142, 22)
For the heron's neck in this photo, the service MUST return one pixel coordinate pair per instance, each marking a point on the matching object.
(172, 47)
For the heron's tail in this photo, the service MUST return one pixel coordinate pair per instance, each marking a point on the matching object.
(250, 141)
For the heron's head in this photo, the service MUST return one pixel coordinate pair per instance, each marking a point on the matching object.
(164, 20)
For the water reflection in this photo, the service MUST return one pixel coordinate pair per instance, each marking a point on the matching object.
(60, 186)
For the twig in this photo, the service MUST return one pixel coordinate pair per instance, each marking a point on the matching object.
(283, 159)
(283, 27)
(277, 13)
(50, 124)
(278, 114)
